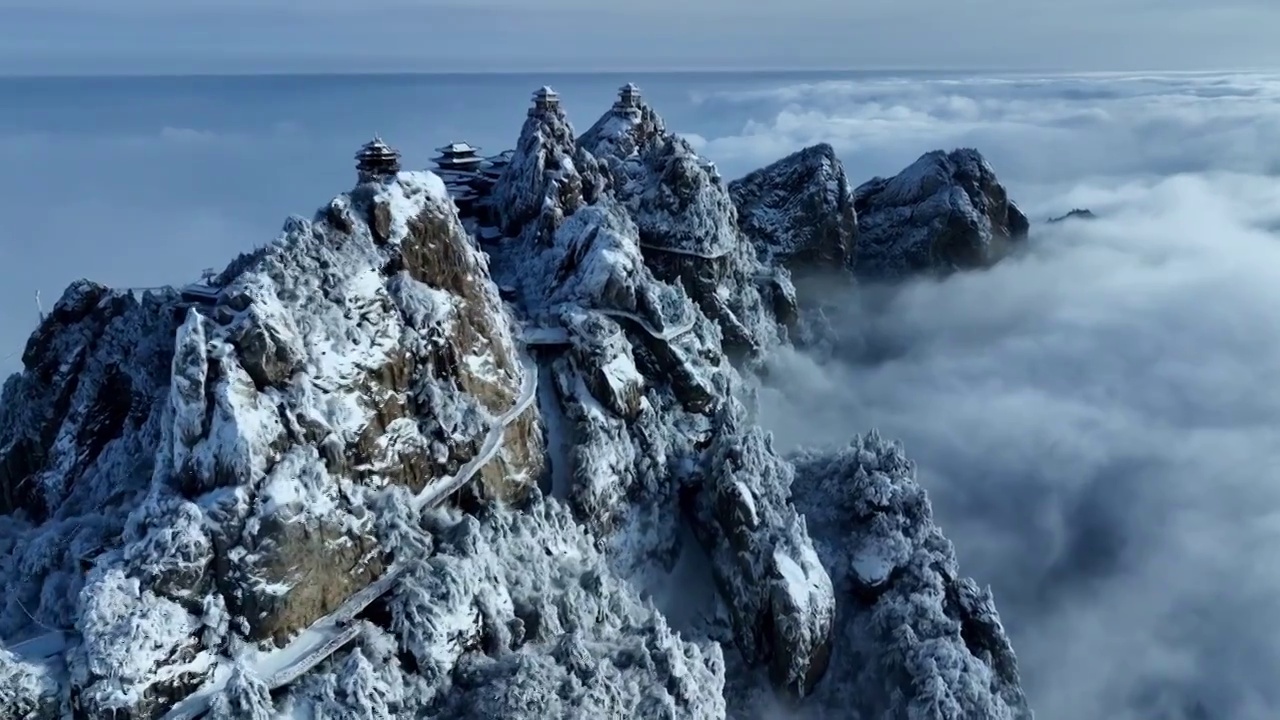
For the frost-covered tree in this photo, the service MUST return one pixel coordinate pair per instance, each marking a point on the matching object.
(27, 691)
(518, 615)
(127, 630)
(920, 641)
(362, 692)
(246, 697)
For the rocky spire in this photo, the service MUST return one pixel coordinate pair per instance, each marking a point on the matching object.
(688, 225)
(630, 125)
(799, 211)
(549, 177)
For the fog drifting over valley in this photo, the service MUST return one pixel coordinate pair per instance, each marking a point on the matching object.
(1097, 420)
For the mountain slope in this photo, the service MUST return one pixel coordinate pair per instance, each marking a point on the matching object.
(944, 212)
(348, 478)
(799, 211)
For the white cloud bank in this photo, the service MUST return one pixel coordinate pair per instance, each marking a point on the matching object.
(1098, 421)
(1044, 135)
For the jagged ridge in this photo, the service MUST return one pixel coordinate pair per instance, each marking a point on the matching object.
(265, 464)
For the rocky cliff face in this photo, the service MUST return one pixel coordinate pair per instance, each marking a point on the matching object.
(798, 212)
(176, 462)
(688, 231)
(945, 212)
(349, 479)
(646, 391)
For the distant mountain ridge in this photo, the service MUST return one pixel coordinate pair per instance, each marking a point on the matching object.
(389, 466)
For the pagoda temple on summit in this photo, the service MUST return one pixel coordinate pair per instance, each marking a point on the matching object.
(494, 166)
(544, 100)
(457, 157)
(628, 99)
(376, 161)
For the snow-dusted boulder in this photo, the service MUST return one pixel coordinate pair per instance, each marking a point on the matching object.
(227, 450)
(604, 360)
(914, 638)
(601, 394)
(798, 211)
(945, 212)
(595, 262)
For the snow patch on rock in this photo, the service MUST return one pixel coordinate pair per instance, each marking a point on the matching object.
(944, 212)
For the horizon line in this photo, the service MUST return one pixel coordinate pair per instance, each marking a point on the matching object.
(1047, 71)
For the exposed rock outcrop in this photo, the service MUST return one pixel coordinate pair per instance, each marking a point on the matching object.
(1075, 214)
(783, 605)
(799, 211)
(945, 212)
(226, 451)
(189, 480)
(688, 227)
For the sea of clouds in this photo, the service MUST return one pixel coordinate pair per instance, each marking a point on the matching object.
(1097, 420)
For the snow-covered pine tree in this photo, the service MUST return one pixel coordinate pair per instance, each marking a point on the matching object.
(246, 697)
(361, 693)
(24, 690)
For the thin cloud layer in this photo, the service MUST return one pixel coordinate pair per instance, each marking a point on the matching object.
(146, 36)
(1098, 420)
(1045, 135)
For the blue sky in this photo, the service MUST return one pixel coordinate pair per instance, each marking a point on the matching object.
(149, 36)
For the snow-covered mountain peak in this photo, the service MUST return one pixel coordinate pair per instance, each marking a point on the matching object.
(628, 126)
(349, 476)
(548, 177)
(944, 212)
(220, 455)
(799, 211)
(688, 225)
